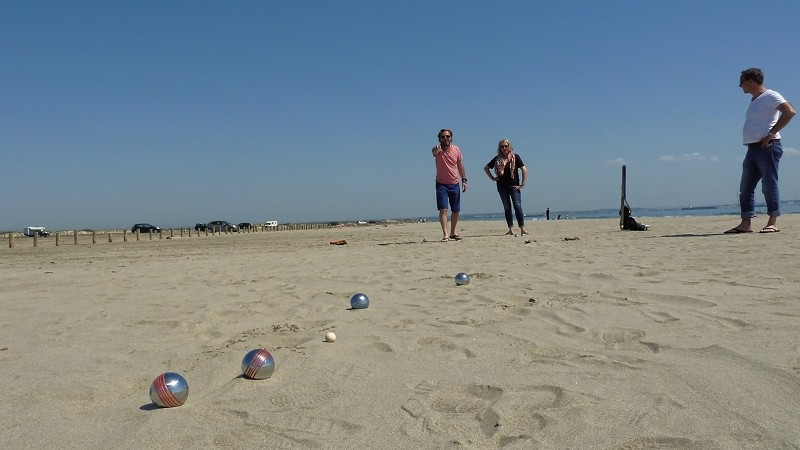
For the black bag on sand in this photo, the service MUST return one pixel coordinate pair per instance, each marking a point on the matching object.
(629, 223)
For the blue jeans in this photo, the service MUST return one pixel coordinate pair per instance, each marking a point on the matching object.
(760, 163)
(508, 195)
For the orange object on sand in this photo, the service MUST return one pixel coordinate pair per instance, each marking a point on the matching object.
(339, 242)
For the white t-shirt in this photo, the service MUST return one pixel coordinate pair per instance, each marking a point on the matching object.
(761, 116)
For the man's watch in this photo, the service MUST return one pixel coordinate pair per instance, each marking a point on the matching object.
(464, 180)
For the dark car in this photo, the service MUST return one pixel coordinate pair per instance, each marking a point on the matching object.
(221, 225)
(246, 226)
(200, 227)
(145, 228)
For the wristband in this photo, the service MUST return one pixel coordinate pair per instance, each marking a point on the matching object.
(464, 180)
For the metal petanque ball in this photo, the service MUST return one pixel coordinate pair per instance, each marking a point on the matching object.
(462, 279)
(169, 390)
(359, 301)
(258, 364)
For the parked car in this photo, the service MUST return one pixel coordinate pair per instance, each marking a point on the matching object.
(221, 225)
(246, 226)
(145, 228)
(35, 231)
(200, 227)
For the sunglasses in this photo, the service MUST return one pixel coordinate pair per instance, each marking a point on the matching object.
(445, 137)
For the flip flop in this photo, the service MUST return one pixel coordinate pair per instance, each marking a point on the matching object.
(737, 231)
(455, 237)
(769, 229)
(445, 239)
(509, 234)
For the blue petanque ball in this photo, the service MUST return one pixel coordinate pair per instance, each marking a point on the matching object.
(169, 390)
(359, 301)
(258, 364)
(462, 279)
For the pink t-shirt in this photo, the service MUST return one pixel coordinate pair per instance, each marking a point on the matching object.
(447, 165)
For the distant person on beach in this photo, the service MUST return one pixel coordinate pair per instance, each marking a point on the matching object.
(547, 213)
(449, 169)
(507, 166)
(767, 114)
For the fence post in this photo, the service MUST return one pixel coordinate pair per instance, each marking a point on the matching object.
(57, 242)
(35, 239)
(94, 237)
(10, 240)
(124, 235)
(75, 236)
(109, 237)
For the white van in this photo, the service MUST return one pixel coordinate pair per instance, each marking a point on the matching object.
(271, 223)
(31, 231)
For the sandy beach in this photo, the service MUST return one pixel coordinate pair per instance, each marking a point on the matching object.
(577, 336)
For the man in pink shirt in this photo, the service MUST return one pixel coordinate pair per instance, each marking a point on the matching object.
(448, 170)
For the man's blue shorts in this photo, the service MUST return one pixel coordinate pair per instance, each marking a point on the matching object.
(448, 193)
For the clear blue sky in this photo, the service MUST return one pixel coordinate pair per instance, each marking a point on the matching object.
(176, 112)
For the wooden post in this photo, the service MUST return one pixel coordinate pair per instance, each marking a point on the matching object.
(124, 235)
(160, 233)
(35, 239)
(75, 237)
(622, 200)
(57, 242)
(190, 232)
(109, 237)
(10, 240)
(94, 237)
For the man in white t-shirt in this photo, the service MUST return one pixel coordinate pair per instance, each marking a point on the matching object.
(767, 115)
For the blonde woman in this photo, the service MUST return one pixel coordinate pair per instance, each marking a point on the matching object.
(507, 166)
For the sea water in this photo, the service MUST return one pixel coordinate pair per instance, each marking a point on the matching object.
(787, 207)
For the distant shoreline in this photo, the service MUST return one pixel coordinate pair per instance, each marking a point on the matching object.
(787, 207)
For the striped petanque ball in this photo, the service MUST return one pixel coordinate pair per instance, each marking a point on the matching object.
(359, 301)
(258, 364)
(169, 390)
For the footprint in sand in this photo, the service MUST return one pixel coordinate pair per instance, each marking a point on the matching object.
(435, 343)
(481, 415)
(627, 338)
